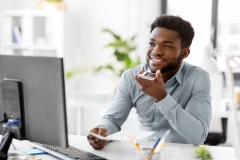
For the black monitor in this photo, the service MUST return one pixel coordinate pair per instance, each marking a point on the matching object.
(42, 97)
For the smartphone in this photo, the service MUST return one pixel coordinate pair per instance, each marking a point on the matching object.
(147, 75)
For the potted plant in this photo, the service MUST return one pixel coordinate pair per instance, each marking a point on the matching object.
(122, 52)
(111, 71)
(202, 153)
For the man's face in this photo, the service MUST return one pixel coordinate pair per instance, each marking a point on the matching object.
(164, 51)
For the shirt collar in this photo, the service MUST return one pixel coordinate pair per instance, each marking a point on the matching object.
(178, 75)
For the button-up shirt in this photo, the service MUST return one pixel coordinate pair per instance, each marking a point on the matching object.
(186, 110)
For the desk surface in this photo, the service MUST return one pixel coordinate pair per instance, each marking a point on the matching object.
(117, 150)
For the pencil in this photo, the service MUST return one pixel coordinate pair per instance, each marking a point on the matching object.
(137, 147)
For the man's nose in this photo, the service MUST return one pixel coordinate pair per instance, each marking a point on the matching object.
(157, 51)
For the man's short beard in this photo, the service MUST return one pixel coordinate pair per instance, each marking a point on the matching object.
(172, 66)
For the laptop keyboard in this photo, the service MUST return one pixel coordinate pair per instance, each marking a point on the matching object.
(74, 152)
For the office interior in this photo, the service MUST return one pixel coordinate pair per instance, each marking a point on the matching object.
(80, 39)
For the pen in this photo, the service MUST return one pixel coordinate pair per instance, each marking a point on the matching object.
(155, 144)
(162, 141)
(160, 145)
(156, 150)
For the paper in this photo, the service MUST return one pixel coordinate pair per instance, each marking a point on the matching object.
(171, 153)
(33, 151)
(167, 153)
(123, 135)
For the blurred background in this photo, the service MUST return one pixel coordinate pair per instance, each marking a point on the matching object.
(100, 38)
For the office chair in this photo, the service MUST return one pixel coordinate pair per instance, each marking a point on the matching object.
(214, 138)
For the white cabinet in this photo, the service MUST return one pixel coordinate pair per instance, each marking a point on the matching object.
(32, 32)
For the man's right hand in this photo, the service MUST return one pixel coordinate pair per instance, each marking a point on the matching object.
(94, 141)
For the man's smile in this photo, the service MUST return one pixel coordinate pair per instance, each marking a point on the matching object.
(156, 60)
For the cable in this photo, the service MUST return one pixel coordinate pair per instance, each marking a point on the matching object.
(13, 123)
(10, 123)
(5, 120)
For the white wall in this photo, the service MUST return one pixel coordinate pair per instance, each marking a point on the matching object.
(125, 17)
(89, 17)
(84, 24)
(199, 15)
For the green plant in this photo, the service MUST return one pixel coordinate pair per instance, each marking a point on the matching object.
(203, 153)
(71, 73)
(122, 51)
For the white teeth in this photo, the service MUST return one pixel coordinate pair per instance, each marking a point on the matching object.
(157, 60)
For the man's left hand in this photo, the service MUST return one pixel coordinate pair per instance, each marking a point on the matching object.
(154, 88)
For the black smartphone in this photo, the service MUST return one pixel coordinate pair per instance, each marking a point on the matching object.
(148, 75)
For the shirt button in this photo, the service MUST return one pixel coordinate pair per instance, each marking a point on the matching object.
(155, 122)
(154, 137)
(160, 108)
(170, 121)
(156, 107)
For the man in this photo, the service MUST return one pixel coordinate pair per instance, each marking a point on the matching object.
(179, 97)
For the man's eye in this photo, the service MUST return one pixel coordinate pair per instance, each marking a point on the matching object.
(167, 46)
(151, 44)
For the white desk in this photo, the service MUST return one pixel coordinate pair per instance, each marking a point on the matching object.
(117, 150)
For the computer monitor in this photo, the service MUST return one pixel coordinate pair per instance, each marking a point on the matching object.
(43, 96)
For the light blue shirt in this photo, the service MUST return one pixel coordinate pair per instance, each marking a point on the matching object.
(186, 110)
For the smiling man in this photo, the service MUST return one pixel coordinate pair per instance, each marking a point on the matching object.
(177, 99)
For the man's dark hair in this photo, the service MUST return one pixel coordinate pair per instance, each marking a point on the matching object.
(176, 23)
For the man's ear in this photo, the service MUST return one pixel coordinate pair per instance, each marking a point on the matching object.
(185, 52)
